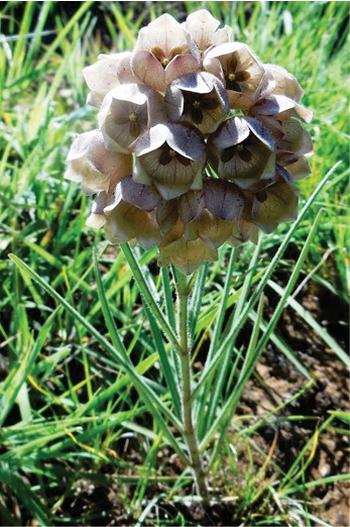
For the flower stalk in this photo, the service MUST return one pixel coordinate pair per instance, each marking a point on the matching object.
(183, 293)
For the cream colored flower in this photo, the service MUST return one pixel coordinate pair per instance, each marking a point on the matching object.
(199, 99)
(204, 29)
(125, 213)
(170, 157)
(164, 52)
(283, 82)
(107, 73)
(241, 72)
(127, 111)
(244, 151)
(186, 255)
(274, 108)
(275, 203)
(294, 144)
(93, 166)
(168, 120)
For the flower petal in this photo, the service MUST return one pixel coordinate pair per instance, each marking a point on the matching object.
(181, 65)
(186, 255)
(149, 70)
(284, 82)
(96, 168)
(274, 205)
(164, 33)
(232, 132)
(144, 197)
(191, 205)
(107, 73)
(223, 199)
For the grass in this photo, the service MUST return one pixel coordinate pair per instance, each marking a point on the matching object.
(87, 387)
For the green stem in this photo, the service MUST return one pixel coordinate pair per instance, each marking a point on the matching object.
(183, 292)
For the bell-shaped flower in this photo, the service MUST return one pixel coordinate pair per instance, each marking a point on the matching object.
(171, 157)
(127, 111)
(292, 147)
(199, 99)
(126, 213)
(243, 151)
(204, 30)
(275, 203)
(164, 51)
(283, 82)
(240, 70)
(271, 109)
(93, 166)
(108, 72)
(186, 255)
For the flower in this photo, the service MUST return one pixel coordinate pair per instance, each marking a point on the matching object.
(171, 157)
(107, 73)
(244, 151)
(197, 98)
(204, 30)
(198, 142)
(127, 111)
(93, 166)
(239, 69)
(275, 203)
(163, 52)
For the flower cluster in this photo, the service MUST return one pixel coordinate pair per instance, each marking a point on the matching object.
(198, 142)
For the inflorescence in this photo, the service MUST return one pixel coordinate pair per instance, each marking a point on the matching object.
(198, 142)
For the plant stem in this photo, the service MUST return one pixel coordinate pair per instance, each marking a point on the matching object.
(183, 291)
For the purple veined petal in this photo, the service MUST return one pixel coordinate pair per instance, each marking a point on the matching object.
(223, 199)
(232, 132)
(166, 215)
(274, 105)
(196, 82)
(181, 65)
(152, 139)
(278, 203)
(295, 138)
(299, 169)
(164, 33)
(144, 197)
(174, 101)
(191, 205)
(187, 141)
(224, 49)
(213, 66)
(202, 26)
(261, 132)
(285, 83)
(94, 167)
(149, 70)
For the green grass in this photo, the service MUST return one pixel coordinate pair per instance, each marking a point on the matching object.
(78, 344)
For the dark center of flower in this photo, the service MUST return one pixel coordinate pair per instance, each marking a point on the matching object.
(240, 150)
(261, 196)
(163, 58)
(168, 154)
(234, 76)
(196, 105)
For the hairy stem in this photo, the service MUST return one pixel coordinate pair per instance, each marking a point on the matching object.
(183, 291)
